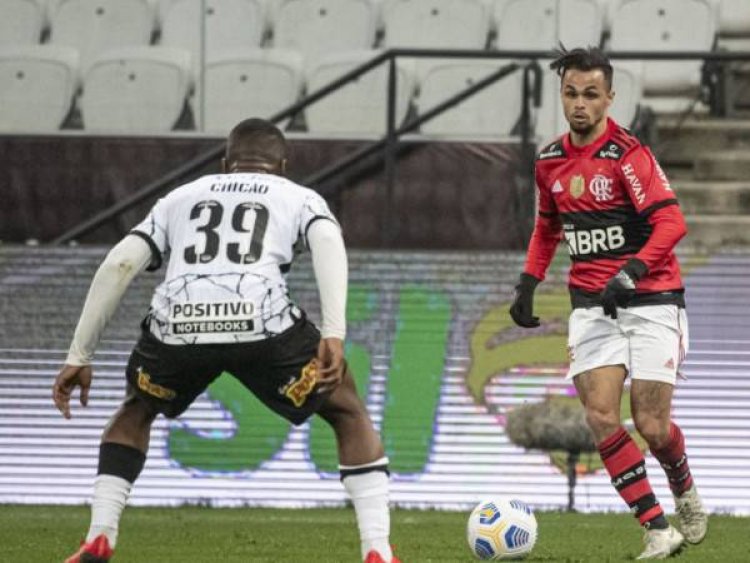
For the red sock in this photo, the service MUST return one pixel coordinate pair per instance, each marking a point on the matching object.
(627, 468)
(674, 461)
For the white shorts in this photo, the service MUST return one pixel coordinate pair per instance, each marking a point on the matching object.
(650, 341)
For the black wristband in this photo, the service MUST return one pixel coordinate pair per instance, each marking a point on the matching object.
(635, 268)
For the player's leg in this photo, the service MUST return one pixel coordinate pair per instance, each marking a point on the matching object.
(122, 454)
(363, 466)
(659, 343)
(157, 383)
(600, 391)
(281, 372)
(599, 352)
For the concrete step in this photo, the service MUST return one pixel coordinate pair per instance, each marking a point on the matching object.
(679, 144)
(715, 232)
(713, 198)
(729, 165)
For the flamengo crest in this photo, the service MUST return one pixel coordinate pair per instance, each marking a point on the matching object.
(601, 188)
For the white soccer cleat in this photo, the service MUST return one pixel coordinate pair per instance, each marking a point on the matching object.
(660, 544)
(691, 515)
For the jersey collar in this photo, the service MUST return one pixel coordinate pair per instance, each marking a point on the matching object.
(593, 146)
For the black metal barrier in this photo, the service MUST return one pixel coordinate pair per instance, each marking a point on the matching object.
(388, 146)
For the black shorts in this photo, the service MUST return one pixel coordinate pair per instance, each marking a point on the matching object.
(278, 370)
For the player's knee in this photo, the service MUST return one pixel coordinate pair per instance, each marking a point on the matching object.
(654, 430)
(137, 411)
(603, 422)
(343, 407)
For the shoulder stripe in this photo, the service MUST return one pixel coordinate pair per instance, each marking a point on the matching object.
(547, 214)
(659, 205)
(317, 218)
(155, 263)
(627, 139)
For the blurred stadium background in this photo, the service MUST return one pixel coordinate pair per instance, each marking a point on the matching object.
(107, 104)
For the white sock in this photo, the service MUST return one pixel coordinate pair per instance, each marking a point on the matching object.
(369, 494)
(110, 495)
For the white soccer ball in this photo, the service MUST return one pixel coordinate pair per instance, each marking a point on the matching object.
(501, 529)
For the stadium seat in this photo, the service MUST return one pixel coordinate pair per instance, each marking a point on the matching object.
(94, 26)
(543, 24)
(358, 109)
(491, 112)
(21, 22)
(320, 27)
(249, 84)
(433, 24)
(734, 18)
(454, 24)
(666, 25)
(626, 82)
(230, 25)
(37, 85)
(734, 25)
(136, 90)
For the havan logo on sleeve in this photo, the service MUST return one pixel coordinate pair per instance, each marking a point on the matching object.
(629, 171)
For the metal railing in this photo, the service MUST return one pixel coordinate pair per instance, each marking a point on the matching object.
(388, 145)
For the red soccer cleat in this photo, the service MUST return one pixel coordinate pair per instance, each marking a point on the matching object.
(95, 551)
(374, 557)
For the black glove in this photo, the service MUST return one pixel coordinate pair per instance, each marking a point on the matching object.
(620, 289)
(522, 308)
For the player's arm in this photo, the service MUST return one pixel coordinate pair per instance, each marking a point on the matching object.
(542, 246)
(649, 190)
(123, 263)
(331, 274)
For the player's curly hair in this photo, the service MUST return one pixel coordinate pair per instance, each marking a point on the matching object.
(591, 58)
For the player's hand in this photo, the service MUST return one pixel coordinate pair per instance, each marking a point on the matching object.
(331, 364)
(68, 379)
(522, 309)
(620, 289)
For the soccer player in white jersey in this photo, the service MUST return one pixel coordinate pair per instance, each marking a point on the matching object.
(224, 306)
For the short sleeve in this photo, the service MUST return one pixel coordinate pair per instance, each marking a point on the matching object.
(314, 208)
(154, 230)
(645, 181)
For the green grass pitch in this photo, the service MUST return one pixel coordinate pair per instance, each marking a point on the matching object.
(50, 533)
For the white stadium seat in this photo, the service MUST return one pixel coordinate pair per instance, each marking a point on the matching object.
(454, 24)
(358, 109)
(249, 84)
(626, 82)
(734, 18)
(491, 112)
(543, 24)
(320, 27)
(666, 25)
(94, 26)
(136, 90)
(229, 25)
(37, 86)
(21, 22)
(734, 25)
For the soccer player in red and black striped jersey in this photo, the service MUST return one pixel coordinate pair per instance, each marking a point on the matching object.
(605, 194)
